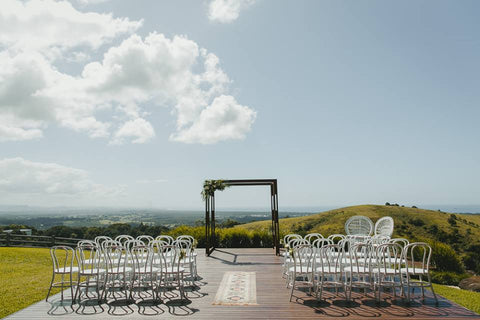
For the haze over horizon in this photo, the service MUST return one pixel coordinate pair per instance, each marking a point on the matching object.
(109, 103)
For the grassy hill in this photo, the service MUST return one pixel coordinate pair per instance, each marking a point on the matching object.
(411, 223)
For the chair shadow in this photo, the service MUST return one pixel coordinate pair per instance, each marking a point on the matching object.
(60, 307)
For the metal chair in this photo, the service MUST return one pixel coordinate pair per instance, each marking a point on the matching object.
(417, 258)
(302, 267)
(311, 237)
(387, 269)
(170, 272)
(62, 261)
(359, 271)
(90, 262)
(143, 274)
(328, 269)
(117, 269)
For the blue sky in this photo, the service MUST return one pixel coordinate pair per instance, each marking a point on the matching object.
(344, 102)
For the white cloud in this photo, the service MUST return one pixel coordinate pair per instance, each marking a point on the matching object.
(139, 129)
(226, 11)
(88, 2)
(112, 97)
(224, 119)
(52, 26)
(20, 176)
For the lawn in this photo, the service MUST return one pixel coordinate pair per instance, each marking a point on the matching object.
(468, 299)
(25, 275)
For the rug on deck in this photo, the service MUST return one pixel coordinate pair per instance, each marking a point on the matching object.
(237, 289)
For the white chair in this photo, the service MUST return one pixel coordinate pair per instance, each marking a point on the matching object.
(384, 226)
(387, 269)
(359, 271)
(117, 269)
(286, 253)
(170, 272)
(188, 261)
(144, 274)
(301, 273)
(417, 258)
(90, 261)
(359, 225)
(329, 269)
(62, 261)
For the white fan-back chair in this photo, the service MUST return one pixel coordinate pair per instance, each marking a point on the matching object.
(359, 225)
(311, 237)
(384, 226)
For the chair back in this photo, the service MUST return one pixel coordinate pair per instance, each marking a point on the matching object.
(165, 238)
(188, 238)
(361, 259)
(388, 258)
(142, 258)
(329, 259)
(116, 256)
(89, 258)
(62, 258)
(289, 237)
(311, 237)
(359, 225)
(384, 226)
(124, 238)
(417, 256)
(295, 242)
(100, 240)
(303, 257)
(145, 239)
(170, 257)
(336, 238)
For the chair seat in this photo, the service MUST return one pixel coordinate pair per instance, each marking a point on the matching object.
(92, 271)
(66, 270)
(301, 269)
(415, 271)
(357, 270)
(328, 269)
(169, 270)
(385, 270)
(119, 271)
(146, 270)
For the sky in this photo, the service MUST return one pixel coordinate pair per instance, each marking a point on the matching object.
(135, 103)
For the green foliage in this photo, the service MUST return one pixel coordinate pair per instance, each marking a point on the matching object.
(448, 277)
(210, 186)
(472, 258)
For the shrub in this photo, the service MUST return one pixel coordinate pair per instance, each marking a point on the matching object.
(448, 277)
(444, 258)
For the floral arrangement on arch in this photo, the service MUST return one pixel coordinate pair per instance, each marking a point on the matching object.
(210, 186)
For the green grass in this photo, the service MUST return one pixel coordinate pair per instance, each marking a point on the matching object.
(25, 275)
(468, 299)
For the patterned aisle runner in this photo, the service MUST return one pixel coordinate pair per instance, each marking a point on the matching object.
(237, 289)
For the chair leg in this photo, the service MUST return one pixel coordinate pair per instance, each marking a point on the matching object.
(431, 287)
(293, 286)
(421, 286)
(51, 284)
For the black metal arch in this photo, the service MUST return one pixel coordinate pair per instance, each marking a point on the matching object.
(210, 211)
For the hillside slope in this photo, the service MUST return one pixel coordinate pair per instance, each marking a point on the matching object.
(459, 230)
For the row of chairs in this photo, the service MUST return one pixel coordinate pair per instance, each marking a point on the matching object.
(131, 267)
(349, 262)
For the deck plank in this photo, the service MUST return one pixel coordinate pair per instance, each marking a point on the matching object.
(272, 298)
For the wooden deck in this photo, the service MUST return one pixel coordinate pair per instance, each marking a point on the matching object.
(272, 298)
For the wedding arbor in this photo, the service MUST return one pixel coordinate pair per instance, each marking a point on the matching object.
(209, 188)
